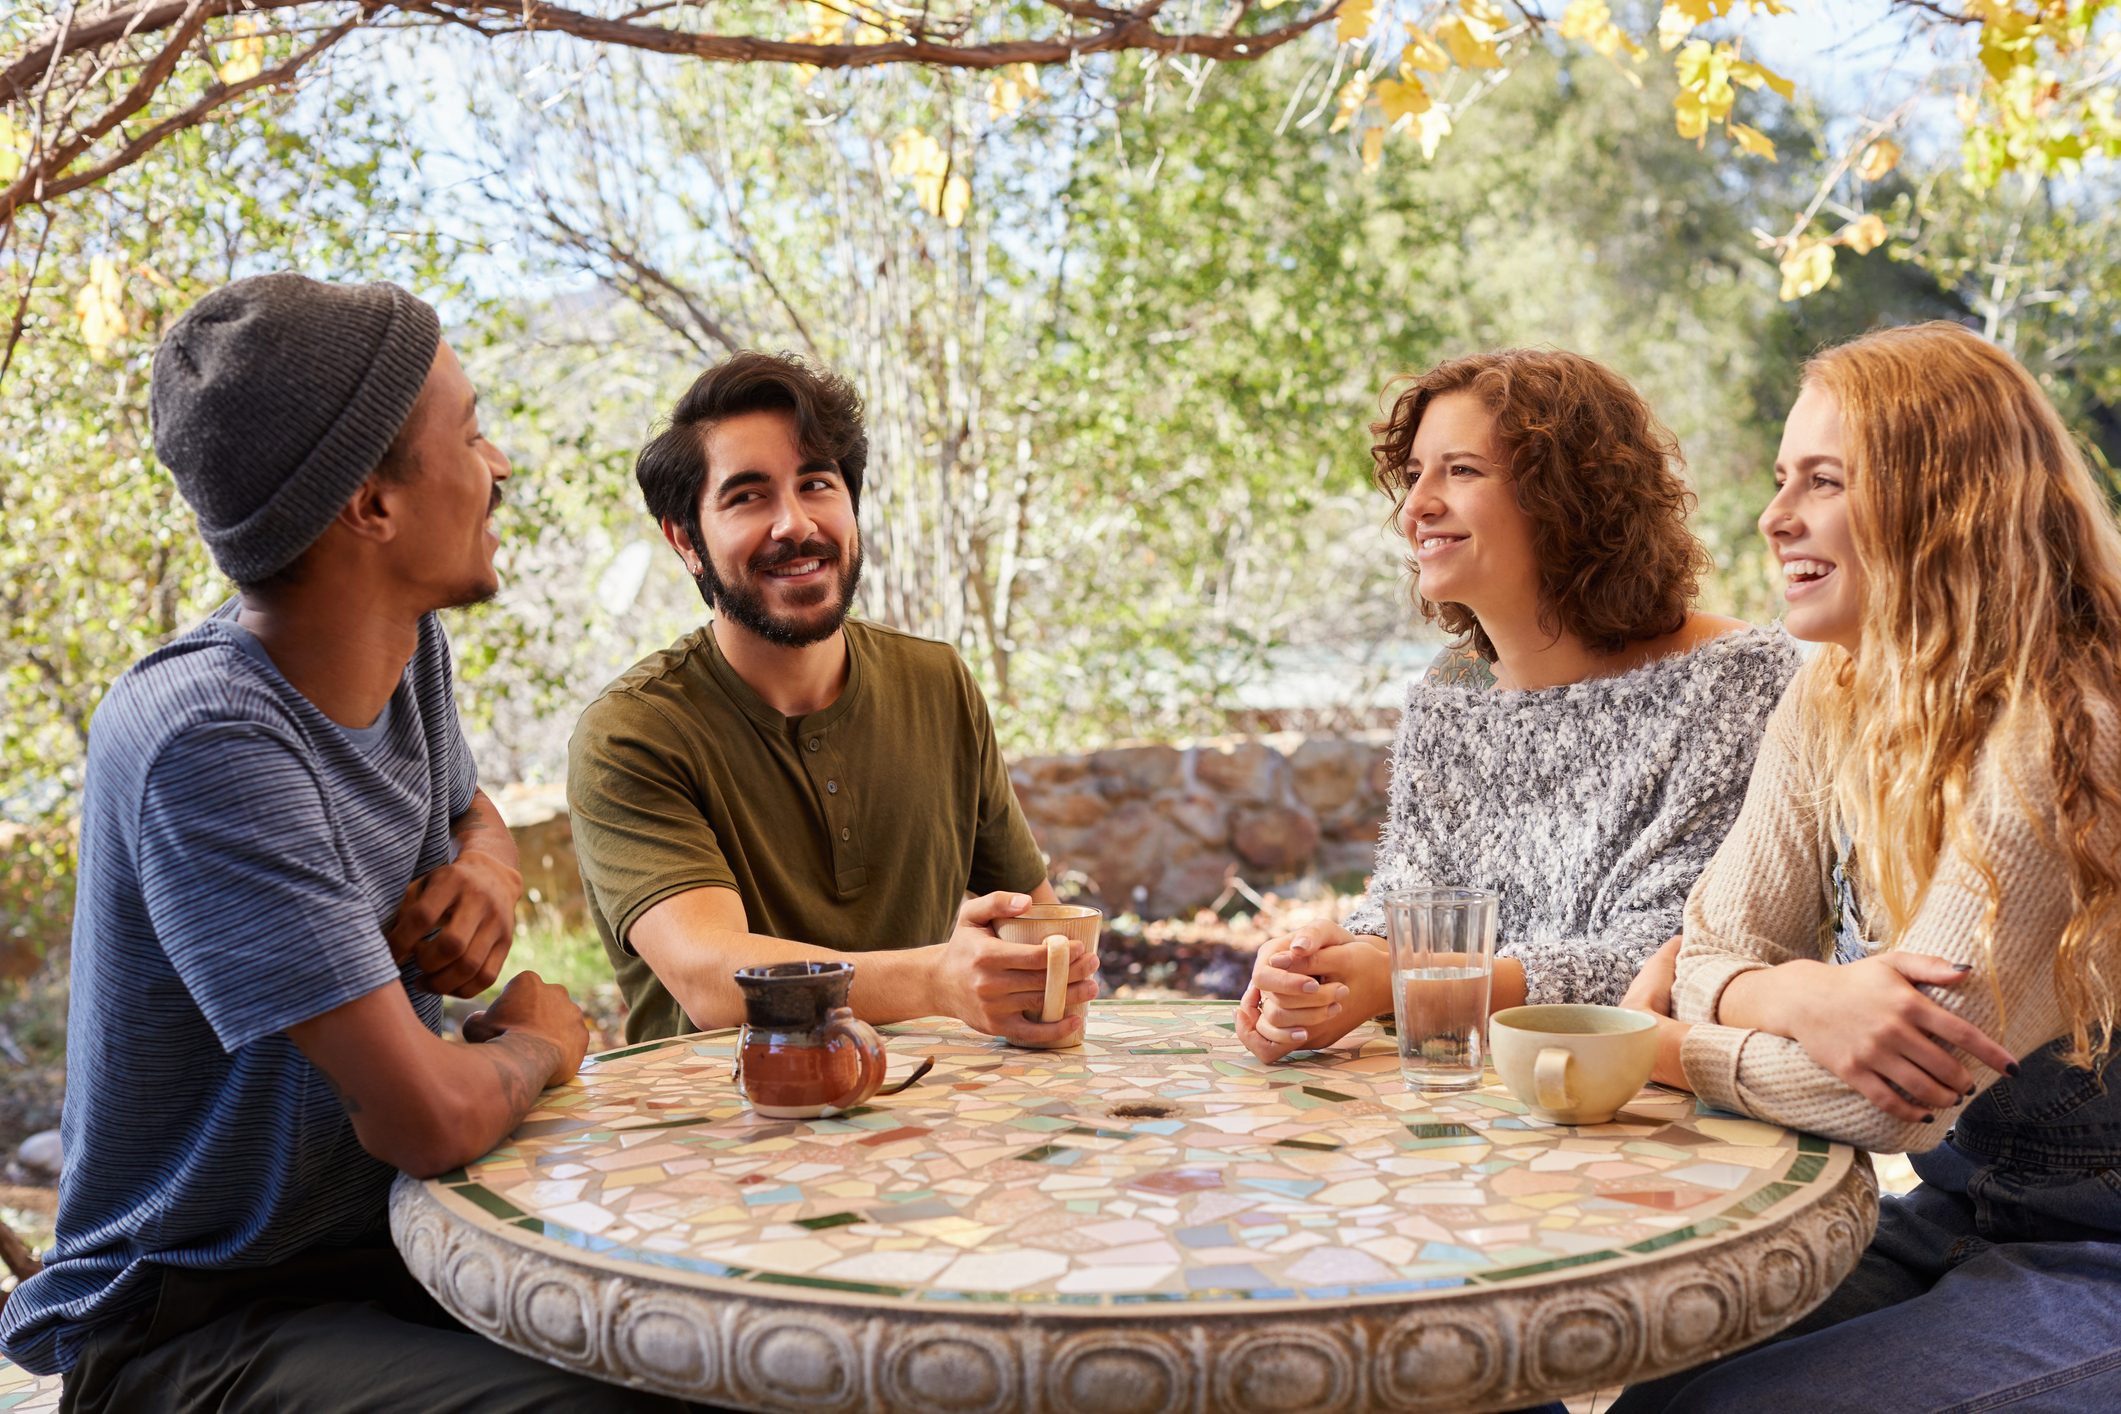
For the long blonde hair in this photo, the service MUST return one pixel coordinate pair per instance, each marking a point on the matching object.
(1993, 566)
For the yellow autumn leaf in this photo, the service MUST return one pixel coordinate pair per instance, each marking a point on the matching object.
(1806, 268)
(1422, 53)
(1433, 127)
(1345, 107)
(1590, 22)
(1678, 19)
(826, 24)
(1754, 141)
(872, 25)
(1353, 25)
(1693, 115)
(1878, 159)
(1373, 148)
(954, 201)
(915, 154)
(1486, 13)
(1011, 88)
(100, 306)
(940, 190)
(1863, 235)
(1705, 72)
(1469, 41)
(1399, 99)
(11, 145)
(1749, 74)
(246, 55)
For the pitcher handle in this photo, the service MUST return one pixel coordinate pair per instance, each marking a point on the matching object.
(1550, 1079)
(841, 1022)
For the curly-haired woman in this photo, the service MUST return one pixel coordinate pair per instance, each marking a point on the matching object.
(1590, 765)
(1942, 789)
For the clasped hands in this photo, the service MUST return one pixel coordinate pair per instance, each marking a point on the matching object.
(1312, 988)
(457, 922)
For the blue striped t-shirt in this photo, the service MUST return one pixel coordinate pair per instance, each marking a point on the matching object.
(241, 856)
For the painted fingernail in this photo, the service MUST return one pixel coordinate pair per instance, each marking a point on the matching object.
(2011, 1069)
(1970, 1092)
(1962, 967)
(1929, 1119)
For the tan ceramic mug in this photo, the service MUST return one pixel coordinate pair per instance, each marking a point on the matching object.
(1573, 1064)
(1053, 926)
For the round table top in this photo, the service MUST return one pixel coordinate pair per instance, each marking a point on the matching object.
(1156, 1182)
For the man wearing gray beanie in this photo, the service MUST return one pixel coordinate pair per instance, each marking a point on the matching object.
(286, 863)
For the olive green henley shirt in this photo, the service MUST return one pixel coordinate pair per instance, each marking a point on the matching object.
(859, 827)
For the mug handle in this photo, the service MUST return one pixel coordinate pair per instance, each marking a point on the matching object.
(1550, 1079)
(841, 1023)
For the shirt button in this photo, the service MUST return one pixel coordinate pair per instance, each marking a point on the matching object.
(832, 787)
(814, 743)
(845, 833)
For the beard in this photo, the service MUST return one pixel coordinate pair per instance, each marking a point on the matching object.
(742, 601)
(484, 590)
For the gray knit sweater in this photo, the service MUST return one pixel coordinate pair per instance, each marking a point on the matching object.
(1589, 808)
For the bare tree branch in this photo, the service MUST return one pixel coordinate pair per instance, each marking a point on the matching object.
(197, 113)
(648, 286)
(1122, 29)
(29, 290)
(39, 167)
(75, 55)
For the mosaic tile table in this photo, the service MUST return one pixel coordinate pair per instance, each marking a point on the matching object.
(24, 1393)
(1154, 1221)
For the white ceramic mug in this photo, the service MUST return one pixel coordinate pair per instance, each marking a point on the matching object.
(1573, 1064)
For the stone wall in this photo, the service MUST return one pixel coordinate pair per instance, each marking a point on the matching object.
(1159, 830)
(1152, 829)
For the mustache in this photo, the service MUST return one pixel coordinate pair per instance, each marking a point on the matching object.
(788, 554)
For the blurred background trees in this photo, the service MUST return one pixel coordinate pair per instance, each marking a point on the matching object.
(1121, 318)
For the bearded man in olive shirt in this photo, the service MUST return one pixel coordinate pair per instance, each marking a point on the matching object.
(782, 784)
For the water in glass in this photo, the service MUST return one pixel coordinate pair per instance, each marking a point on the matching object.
(1443, 959)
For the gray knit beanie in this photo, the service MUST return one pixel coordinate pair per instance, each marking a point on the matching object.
(272, 399)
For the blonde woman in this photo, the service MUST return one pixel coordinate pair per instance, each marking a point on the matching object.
(1941, 788)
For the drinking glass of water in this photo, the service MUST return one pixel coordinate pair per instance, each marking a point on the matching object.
(1443, 960)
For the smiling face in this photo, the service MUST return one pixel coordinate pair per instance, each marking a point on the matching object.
(1807, 523)
(450, 476)
(782, 556)
(1472, 543)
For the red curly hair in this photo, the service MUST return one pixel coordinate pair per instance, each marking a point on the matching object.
(1597, 475)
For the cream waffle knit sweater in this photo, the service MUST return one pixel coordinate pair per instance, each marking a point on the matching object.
(1768, 895)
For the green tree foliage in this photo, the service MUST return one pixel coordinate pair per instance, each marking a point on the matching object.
(1121, 331)
(99, 560)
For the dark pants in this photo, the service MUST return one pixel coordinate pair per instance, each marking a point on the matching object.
(332, 1332)
(1934, 1318)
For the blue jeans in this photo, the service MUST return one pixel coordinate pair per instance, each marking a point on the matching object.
(1934, 1318)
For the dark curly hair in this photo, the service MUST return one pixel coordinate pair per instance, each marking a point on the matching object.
(672, 468)
(1598, 476)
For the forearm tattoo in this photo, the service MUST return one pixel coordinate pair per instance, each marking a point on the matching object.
(523, 1063)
